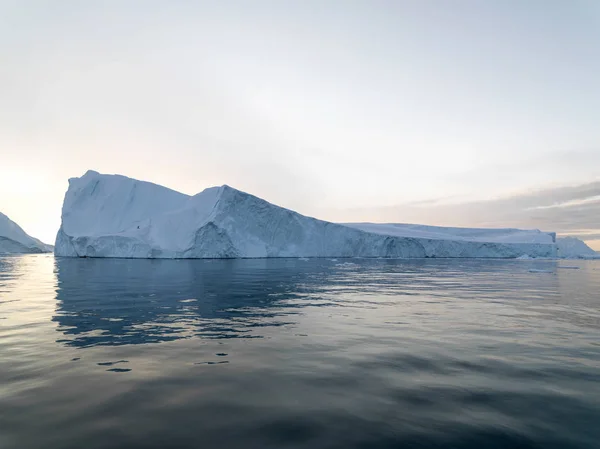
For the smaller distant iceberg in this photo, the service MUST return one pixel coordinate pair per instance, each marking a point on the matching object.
(13, 240)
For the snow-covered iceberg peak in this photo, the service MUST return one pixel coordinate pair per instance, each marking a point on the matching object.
(13, 240)
(116, 216)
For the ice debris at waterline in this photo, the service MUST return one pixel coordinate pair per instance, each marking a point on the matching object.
(116, 216)
(13, 240)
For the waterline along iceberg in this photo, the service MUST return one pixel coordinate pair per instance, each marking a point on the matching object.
(116, 216)
(13, 240)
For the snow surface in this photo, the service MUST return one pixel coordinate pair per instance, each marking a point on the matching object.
(459, 234)
(13, 240)
(115, 216)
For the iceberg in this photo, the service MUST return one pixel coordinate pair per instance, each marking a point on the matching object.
(574, 248)
(116, 216)
(13, 240)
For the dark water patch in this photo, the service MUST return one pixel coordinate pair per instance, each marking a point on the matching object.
(212, 363)
(111, 363)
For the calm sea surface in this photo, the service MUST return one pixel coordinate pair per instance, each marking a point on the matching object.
(99, 353)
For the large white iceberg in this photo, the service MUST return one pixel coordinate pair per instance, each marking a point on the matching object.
(13, 240)
(115, 216)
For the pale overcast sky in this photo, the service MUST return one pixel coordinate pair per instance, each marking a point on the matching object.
(347, 110)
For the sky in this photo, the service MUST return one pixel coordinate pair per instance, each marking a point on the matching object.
(462, 113)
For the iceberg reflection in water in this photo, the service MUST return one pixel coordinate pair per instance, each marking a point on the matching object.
(125, 301)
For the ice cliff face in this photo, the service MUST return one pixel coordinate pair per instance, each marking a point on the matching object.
(115, 216)
(13, 240)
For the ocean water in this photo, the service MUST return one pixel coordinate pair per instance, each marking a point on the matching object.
(98, 353)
